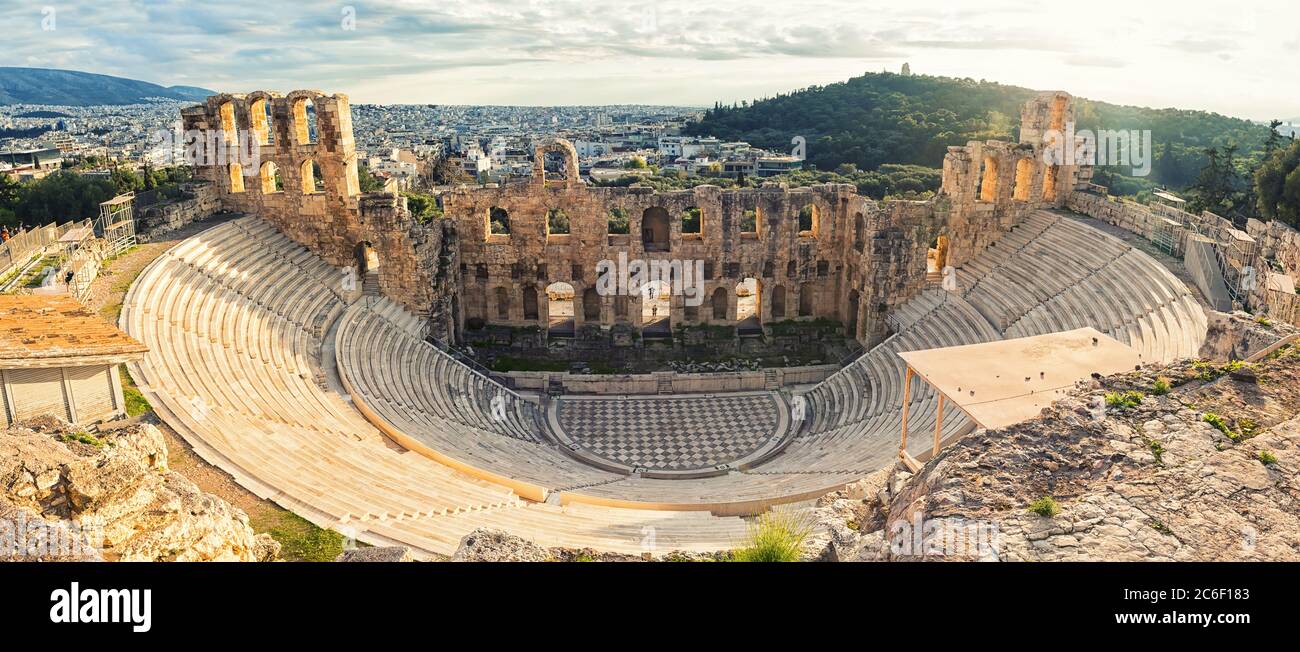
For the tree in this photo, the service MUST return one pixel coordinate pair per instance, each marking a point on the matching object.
(367, 181)
(446, 172)
(1277, 186)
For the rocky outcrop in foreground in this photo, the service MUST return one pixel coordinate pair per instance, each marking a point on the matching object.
(1120, 470)
(70, 495)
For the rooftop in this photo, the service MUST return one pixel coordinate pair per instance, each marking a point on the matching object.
(46, 330)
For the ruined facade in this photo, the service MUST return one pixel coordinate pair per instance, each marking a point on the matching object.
(817, 252)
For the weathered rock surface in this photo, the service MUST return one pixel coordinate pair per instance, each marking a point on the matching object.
(65, 495)
(383, 554)
(486, 544)
(1151, 482)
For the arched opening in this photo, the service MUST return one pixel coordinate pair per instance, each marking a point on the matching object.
(692, 222)
(1024, 179)
(312, 182)
(229, 132)
(851, 324)
(1049, 183)
(749, 221)
(304, 120)
(749, 315)
(792, 269)
(367, 258)
(654, 229)
(656, 309)
(807, 298)
(259, 119)
(778, 302)
(270, 178)
(556, 165)
(617, 222)
(936, 258)
(559, 309)
(498, 221)
(988, 190)
(557, 222)
(859, 229)
(530, 303)
(809, 221)
(503, 303)
(236, 177)
(719, 303)
(591, 305)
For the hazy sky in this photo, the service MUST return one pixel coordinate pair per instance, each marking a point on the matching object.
(1242, 59)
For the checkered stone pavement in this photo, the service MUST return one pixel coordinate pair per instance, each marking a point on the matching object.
(670, 433)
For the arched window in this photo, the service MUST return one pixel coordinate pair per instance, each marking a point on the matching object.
(229, 132)
(749, 221)
(236, 177)
(304, 120)
(809, 221)
(590, 305)
(807, 299)
(859, 229)
(719, 302)
(367, 257)
(530, 303)
(778, 302)
(851, 327)
(557, 222)
(792, 269)
(988, 190)
(312, 182)
(654, 229)
(498, 221)
(503, 303)
(618, 223)
(692, 221)
(1024, 179)
(1049, 183)
(259, 118)
(270, 178)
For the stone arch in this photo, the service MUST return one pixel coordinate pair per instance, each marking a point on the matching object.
(655, 230)
(530, 303)
(502, 297)
(859, 231)
(778, 302)
(719, 304)
(304, 112)
(559, 308)
(656, 309)
(807, 299)
(749, 304)
(498, 221)
(590, 305)
(1024, 180)
(988, 185)
(936, 258)
(260, 120)
(851, 324)
(692, 221)
(564, 162)
(809, 220)
(236, 173)
(269, 174)
(312, 182)
(367, 257)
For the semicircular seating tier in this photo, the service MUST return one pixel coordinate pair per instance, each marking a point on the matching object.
(236, 319)
(239, 317)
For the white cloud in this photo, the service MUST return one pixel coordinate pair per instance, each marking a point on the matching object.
(673, 51)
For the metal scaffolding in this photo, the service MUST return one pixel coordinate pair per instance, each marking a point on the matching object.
(116, 223)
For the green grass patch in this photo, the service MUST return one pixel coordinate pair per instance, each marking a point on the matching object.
(1208, 371)
(1045, 506)
(299, 539)
(83, 437)
(1160, 387)
(136, 403)
(1122, 401)
(1220, 423)
(775, 536)
(1267, 457)
(1159, 526)
(1157, 450)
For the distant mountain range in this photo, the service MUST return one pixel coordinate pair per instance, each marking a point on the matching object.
(75, 88)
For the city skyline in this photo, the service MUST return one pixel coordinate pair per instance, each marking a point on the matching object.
(555, 52)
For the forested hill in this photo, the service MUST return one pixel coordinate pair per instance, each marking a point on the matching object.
(888, 118)
(75, 88)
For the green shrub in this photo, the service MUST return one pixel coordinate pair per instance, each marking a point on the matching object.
(1045, 506)
(1160, 387)
(300, 539)
(83, 437)
(1157, 450)
(775, 536)
(1123, 400)
(1267, 457)
(1220, 423)
(136, 403)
